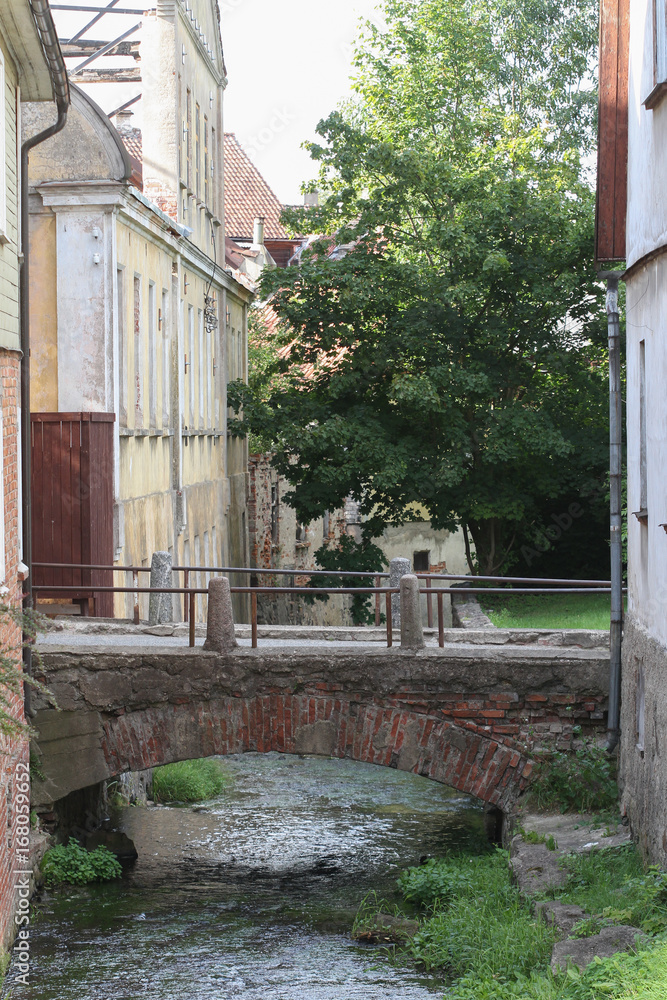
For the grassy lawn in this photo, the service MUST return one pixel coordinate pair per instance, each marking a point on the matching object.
(548, 610)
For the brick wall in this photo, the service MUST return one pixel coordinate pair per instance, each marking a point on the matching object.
(293, 547)
(13, 753)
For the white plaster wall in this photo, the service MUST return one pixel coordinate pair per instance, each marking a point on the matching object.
(646, 312)
(647, 142)
(85, 331)
(419, 536)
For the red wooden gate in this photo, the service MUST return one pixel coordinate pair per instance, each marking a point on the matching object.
(72, 502)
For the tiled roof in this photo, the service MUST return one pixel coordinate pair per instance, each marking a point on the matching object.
(247, 195)
(132, 141)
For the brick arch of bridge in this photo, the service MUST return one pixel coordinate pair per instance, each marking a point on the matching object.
(460, 756)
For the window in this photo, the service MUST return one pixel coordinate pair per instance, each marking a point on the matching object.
(191, 371)
(123, 374)
(659, 53)
(188, 141)
(206, 162)
(138, 357)
(421, 561)
(642, 513)
(152, 355)
(197, 151)
(201, 361)
(275, 514)
(166, 359)
(209, 376)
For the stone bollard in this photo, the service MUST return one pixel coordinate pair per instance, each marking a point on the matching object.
(412, 630)
(160, 606)
(220, 636)
(398, 567)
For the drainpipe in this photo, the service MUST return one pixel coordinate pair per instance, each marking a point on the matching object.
(58, 73)
(615, 505)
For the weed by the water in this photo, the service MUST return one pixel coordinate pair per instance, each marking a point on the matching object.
(188, 781)
(613, 884)
(477, 923)
(532, 837)
(73, 863)
(582, 780)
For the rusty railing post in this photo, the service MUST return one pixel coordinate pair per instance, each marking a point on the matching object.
(389, 635)
(191, 595)
(253, 619)
(429, 603)
(378, 584)
(186, 584)
(441, 621)
(135, 583)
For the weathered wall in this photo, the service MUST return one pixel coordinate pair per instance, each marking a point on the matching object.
(647, 142)
(13, 753)
(445, 714)
(643, 775)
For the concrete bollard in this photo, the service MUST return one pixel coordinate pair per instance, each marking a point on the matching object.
(160, 606)
(398, 568)
(220, 636)
(412, 630)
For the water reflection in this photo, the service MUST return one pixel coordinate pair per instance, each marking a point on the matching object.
(252, 896)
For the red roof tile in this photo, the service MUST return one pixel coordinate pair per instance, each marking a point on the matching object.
(247, 195)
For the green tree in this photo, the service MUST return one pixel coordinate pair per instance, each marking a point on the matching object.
(454, 359)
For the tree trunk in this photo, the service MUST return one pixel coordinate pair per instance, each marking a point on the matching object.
(493, 541)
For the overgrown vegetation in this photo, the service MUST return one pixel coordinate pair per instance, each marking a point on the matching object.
(579, 780)
(188, 781)
(590, 611)
(476, 931)
(74, 864)
(25, 624)
(613, 885)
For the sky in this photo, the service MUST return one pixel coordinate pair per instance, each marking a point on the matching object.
(289, 65)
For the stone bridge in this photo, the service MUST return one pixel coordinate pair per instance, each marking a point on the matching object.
(466, 715)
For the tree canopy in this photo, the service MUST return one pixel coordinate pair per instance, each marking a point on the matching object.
(453, 360)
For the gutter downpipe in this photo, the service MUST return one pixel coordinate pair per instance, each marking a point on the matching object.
(615, 507)
(58, 73)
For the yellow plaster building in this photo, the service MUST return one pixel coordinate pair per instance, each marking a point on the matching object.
(137, 327)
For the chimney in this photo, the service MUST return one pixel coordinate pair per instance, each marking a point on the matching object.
(311, 199)
(123, 119)
(258, 231)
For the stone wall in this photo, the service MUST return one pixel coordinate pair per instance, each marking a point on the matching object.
(643, 774)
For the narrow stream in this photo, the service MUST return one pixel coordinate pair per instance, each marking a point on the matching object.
(253, 895)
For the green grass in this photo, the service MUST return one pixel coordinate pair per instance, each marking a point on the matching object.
(590, 611)
(473, 920)
(188, 781)
(476, 930)
(614, 885)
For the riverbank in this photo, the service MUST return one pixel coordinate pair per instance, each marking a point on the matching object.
(569, 909)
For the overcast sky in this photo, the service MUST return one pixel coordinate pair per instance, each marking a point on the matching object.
(289, 65)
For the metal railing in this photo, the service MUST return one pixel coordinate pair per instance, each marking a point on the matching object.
(550, 586)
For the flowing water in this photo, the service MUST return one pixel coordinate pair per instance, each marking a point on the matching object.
(253, 895)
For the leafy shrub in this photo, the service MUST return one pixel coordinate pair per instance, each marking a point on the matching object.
(437, 881)
(188, 781)
(73, 863)
(583, 780)
(614, 885)
(478, 923)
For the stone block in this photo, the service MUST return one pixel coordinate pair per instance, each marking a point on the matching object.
(160, 606)
(412, 631)
(220, 637)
